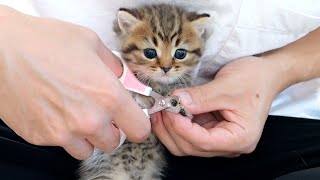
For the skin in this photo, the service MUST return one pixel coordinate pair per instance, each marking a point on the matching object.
(60, 87)
(230, 116)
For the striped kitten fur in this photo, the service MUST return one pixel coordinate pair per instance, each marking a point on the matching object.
(162, 45)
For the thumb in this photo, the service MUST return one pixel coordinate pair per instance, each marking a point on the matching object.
(204, 98)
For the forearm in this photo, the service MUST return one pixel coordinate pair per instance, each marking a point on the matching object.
(298, 61)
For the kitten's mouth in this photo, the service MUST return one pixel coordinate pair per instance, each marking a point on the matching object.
(165, 78)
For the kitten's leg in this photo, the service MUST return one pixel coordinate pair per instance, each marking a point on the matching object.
(186, 113)
(143, 101)
(131, 161)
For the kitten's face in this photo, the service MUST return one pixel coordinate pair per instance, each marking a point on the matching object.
(161, 44)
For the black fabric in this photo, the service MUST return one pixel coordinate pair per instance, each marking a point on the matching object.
(287, 145)
(305, 174)
(21, 160)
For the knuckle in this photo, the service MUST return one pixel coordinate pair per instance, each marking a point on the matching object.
(142, 135)
(113, 101)
(248, 145)
(90, 127)
(85, 125)
(176, 152)
(250, 149)
(35, 140)
(188, 151)
(60, 138)
(111, 147)
(85, 154)
(206, 147)
(90, 35)
(231, 155)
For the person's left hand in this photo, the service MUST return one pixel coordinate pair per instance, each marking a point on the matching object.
(230, 111)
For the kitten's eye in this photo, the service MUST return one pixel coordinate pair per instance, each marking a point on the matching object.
(150, 53)
(180, 53)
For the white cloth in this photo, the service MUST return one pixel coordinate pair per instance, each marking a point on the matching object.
(237, 28)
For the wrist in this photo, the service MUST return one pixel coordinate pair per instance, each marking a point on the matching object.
(298, 61)
(281, 69)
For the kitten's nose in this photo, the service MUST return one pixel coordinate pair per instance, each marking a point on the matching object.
(166, 69)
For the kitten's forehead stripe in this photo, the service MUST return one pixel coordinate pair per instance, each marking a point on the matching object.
(161, 36)
(132, 47)
(197, 52)
(173, 36)
(177, 42)
(165, 20)
(155, 41)
(127, 59)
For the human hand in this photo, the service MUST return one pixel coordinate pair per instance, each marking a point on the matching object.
(230, 111)
(59, 86)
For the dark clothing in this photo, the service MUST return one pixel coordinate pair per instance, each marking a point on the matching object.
(20, 160)
(287, 145)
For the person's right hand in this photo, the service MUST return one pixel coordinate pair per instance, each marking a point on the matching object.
(59, 86)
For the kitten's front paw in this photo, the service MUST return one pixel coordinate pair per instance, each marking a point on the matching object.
(186, 113)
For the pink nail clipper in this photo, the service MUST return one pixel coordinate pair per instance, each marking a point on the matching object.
(130, 82)
(169, 103)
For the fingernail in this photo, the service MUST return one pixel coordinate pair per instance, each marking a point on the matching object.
(185, 97)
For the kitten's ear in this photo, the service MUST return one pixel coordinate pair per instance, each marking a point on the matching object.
(127, 20)
(199, 22)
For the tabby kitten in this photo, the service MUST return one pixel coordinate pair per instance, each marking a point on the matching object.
(162, 45)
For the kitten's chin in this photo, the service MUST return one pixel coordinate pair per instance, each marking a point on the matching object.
(164, 79)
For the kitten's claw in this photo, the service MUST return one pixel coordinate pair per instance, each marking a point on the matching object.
(185, 113)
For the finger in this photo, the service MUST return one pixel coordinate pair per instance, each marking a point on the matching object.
(183, 145)
(129, 117)
(217, 139)
(199, 99)
(125, 112)
(187, 147)
(207, 120)
(106, 138)
(163, 135)
(132, 120)
(80, 149)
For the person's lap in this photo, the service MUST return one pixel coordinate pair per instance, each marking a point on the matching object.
(287, 145)
(21, 160)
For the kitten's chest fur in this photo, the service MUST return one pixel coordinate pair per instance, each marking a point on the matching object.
(166, 89)
(131, 161)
